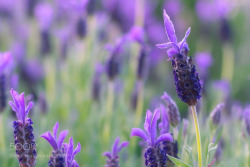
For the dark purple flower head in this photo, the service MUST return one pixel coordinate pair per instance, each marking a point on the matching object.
(113, 157)
(70, 153)
(5, 59)
(54, 140)
(150, 125)
(44, 14)
(176, 47)
(164, 124)
(18, 105)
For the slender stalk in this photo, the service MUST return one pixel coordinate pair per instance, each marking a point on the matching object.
(198, 137)
(2, 139)
(139, 105)
(227, 62)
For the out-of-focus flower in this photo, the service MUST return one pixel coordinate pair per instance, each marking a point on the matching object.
(173, 7)
(58, 155)
(246, 120)
(150, 137)
(45, 15)
(113, 62)
(113, 157)
(96, 81)
(23, 132)
(185, 127)
(137, 34)
(220, 8)
(216, 114)
(204, 60)
(42, 102)
(5, 59)
(187, 81)
(172, 110)
(70, 153)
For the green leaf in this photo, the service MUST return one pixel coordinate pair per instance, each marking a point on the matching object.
(210, 154)
(188, 149)
(178, 161)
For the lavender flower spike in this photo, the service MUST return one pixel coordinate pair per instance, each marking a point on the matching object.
(113, 157)
(216, 114)
(57, 158)
(151, 158)
(172, 110)
(70, 153)
(23, 133)
(187, 81)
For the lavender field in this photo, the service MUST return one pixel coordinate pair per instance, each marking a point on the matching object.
(124, 83)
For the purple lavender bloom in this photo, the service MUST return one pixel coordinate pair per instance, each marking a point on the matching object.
(204, 60)
(246, 119)
(113, 62)
(58, 154)
(165, 148)
(216, 114)
(150, 137)
(23, 133)
(187, 81)
(137, 34)
(5, 59)
(96, 82)
(113, 157)
(71, 153)
(172, 110)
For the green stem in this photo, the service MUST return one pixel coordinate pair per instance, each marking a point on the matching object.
(198, 137)
(227, 62)
(139, 105)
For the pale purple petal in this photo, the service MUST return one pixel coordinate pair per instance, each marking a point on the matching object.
(185, 38)
(153, 126)
(171, 52)
(47, 136)
(164, 120)
(164, 137)
(107, 154)
(169, 27)
(115, 147)
(69, 156)
(164, 45)
(13, 106)
(55, 130)
(123, 144)
(28, 108)
(61, 137)
(139, 133)
(77, 150)
(75, 164)
(148, 122)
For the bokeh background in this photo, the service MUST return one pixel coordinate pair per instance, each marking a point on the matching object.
(60, 55)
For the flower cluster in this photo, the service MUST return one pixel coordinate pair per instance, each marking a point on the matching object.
(186, 78)
(23, 133)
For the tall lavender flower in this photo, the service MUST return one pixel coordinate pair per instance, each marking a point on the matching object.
(58, 154)
(150, 137)
(23, 133)
(216, 114)
(113, 157)
(165, 148)
(70, 153)
(246, 119)
(187, 81)
(172, 110)
(96, 82)
(4, 61)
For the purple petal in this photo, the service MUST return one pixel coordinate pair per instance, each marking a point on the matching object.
(61, 137)
(75, 164)
(13, 106)
(77, 150)
(185, 38)
(14, 94)
(164, 137)
(69, 155)
(5, 60)
(123, 144)
(169, 27)
(148, 122)
(164, 120)
(153, 125)
(107, 154)
(164, 45)
(28, 108)
(139, 133)
(171, 52)
(22, 106)
(115, 147)
(55, 130)
(47, 136)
